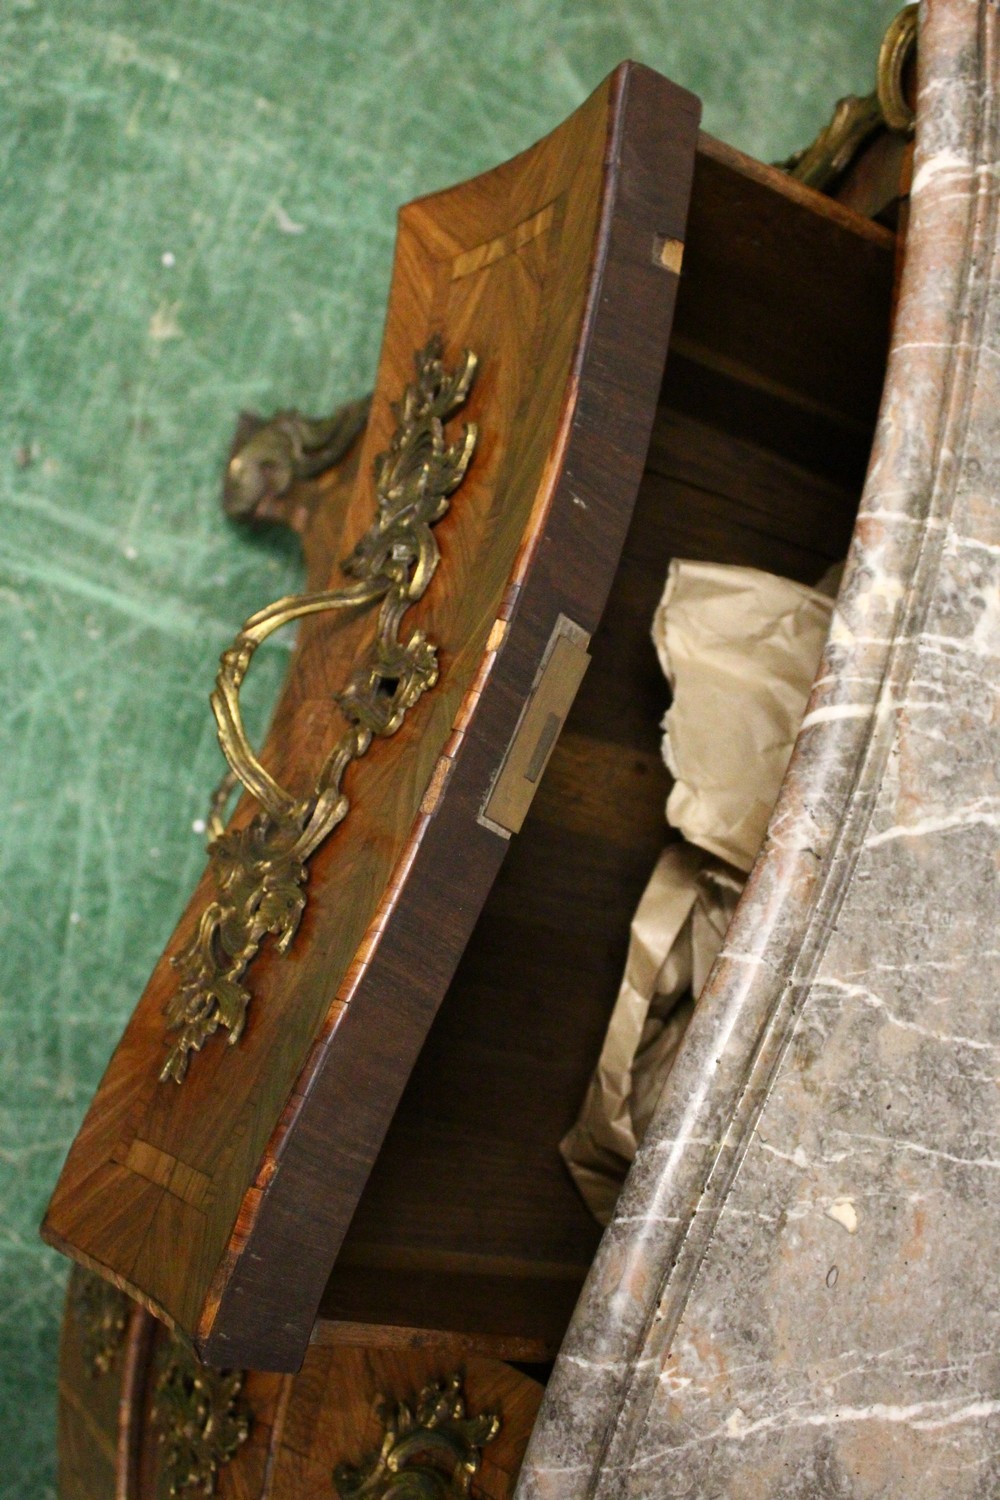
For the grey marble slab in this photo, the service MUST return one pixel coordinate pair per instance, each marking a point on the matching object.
(800, 1292)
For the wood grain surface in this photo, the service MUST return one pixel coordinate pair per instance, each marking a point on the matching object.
(101, 1411)
(222, 1204)
(332, 1416)
(302, 1427)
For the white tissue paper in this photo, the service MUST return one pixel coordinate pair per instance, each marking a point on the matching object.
(739, 648)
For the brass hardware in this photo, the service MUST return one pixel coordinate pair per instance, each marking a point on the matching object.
(855, 119)
(899, 46)
(260, 869)
(837, 144)
(202, 1419)
(669, 253)
(556, 683)
(269, 456)
(102, 1314)
(432, 1453)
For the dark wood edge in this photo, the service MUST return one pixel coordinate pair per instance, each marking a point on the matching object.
(331, 1333)
(80, 1257)
(132, 1403)
(789, 187)
(501, 1316)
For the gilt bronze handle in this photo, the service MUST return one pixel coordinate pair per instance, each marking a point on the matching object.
(855, 120)
(260, 868)
(268, 457)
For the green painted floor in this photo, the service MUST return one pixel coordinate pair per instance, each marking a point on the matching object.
(197, 202)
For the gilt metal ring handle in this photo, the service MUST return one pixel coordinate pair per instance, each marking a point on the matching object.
(244, 767)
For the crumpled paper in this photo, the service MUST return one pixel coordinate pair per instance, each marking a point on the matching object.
(676, 934)
(740, 649)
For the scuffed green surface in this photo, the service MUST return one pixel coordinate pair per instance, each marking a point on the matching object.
(197, 214)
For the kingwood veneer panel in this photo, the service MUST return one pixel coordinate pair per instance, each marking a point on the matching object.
(221, 1203)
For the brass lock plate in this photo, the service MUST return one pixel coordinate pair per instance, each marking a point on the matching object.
(559, 676)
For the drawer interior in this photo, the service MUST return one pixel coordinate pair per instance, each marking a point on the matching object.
(470, 1230)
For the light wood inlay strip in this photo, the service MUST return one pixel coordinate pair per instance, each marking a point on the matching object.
(504, 244)
(183, 1181)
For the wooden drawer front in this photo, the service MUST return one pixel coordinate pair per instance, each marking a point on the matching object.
(140, 1419)
(221, 1202)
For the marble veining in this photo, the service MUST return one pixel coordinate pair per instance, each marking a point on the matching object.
(799, 1294)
